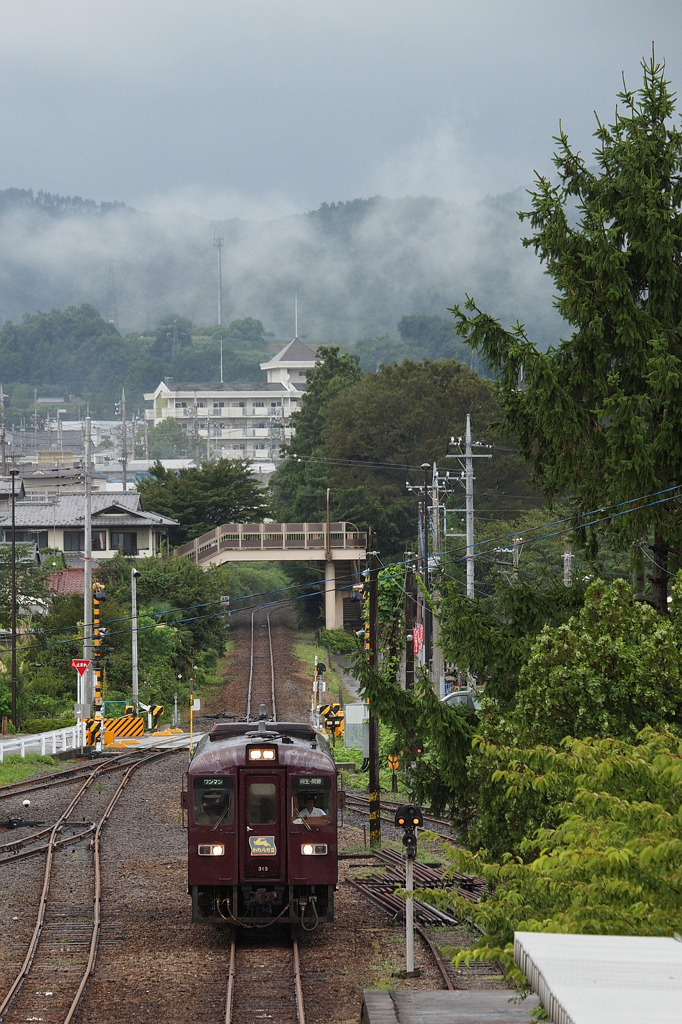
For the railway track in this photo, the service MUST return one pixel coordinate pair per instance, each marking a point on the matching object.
(264, 980)
(261, 686)
(47, 980)
(65, 776)
(359, 804)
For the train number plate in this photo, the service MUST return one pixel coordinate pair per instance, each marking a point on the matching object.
(262, 846)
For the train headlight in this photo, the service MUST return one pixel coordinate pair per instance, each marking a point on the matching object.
(262, 754)
(211, 850)
(314, 849)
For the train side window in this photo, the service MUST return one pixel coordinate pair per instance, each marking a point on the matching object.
(262, 803)
(311, 800)
(213, 803)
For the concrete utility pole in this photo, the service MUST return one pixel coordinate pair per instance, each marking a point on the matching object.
(197, 452)
(134, 575)
(423, 556)
(515, 551)
(124, 441)
(14, 472)
(88, 687)
(374, 785)
(409, 620)
(2, 431)
(465, 459)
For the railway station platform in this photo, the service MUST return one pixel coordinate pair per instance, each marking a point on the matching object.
(386, 1006)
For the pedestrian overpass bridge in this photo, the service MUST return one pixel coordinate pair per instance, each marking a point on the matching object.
(337, 545)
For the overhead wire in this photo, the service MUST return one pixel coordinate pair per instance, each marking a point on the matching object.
(483, 552)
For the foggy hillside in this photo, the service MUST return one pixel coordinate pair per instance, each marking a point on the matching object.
(357, 267)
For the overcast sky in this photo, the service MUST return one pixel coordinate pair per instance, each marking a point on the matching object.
(258, 107)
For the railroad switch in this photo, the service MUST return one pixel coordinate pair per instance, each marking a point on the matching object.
(18, 823)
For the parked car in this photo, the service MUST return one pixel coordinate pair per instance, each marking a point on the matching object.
(470, 698)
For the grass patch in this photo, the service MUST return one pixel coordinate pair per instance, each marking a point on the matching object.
(14, 768)
(306, 649)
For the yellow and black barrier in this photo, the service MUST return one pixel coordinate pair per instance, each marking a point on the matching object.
(155, 712)
(123, 728)
(334, 716)
(93, 728)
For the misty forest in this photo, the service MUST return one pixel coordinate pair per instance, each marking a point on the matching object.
(96, 297)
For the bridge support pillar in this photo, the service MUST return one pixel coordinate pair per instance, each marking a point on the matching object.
(333, 601)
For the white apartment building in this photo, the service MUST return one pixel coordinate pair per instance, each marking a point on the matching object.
(233, 421)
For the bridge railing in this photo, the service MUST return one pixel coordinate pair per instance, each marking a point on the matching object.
(274, 536)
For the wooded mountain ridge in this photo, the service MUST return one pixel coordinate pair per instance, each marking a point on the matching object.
(357, 266)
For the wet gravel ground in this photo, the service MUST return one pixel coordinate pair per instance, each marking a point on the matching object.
(153, 963)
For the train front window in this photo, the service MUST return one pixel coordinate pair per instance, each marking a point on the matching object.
(311, 801)
(262, 803)
(213, 802)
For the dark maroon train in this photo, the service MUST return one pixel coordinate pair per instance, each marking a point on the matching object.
(261, 803)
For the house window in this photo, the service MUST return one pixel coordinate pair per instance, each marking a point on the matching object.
(99, 540)
(37, 537)
(74, 540)
(125, 541)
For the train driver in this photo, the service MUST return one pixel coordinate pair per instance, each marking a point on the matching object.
(307, 808)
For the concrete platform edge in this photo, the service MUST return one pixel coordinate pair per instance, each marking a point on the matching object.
(378, 1007)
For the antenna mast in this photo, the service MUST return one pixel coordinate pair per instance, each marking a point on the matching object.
(218, 243)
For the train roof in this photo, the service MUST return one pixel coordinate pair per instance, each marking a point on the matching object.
(299, 745)
(294, 730)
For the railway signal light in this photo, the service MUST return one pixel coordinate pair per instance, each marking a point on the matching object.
(409, 817)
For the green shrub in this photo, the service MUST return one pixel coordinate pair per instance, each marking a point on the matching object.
(339, 641)
(47, 724)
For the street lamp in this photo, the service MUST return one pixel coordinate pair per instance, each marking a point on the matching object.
(13, 473)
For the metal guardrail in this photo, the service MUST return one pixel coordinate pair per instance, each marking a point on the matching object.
(45, 743)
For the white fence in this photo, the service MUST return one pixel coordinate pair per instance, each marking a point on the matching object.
(46, 743)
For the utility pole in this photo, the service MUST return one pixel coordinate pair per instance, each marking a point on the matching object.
(197, 452)
(409, 620)
(426, 466)
(2, 431)
(465, 459)
(134, 574)
(374, 786)
(124, 441)
(88, 687)
(14, 471)
(423, 556)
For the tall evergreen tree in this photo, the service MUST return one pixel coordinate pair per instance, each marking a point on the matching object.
(299, 485)
(601, 414)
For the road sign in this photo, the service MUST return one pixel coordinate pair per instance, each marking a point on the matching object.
(393, 762)
(81, 665)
